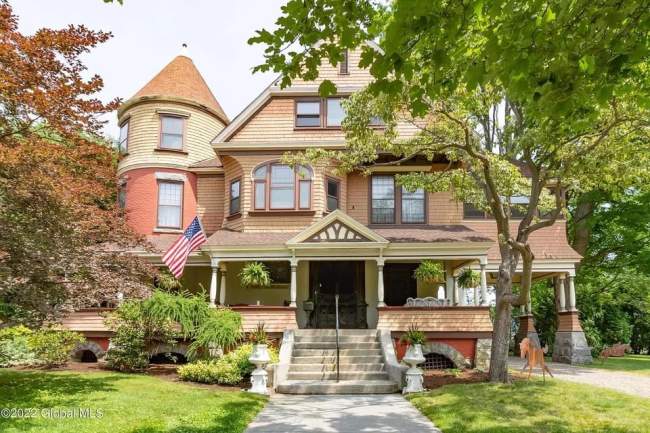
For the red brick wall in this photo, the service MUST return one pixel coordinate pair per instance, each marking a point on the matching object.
(142, 198)
(466, 346)
(101, 341)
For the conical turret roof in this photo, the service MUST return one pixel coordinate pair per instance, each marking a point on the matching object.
(181, 79)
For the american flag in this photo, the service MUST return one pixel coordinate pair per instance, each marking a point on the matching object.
(176, 256)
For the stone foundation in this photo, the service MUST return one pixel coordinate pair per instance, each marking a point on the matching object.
(482, 355)
(571, 348)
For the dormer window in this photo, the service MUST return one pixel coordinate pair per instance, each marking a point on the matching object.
(171, 132)
(344, 65)
(281, 187)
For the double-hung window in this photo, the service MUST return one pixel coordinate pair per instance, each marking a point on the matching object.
(123, 141)
(170, 204)
(392, 205)
(171, 132)
(344, 66)
(335, 112)
(235, 196)
(333, 191)
(308, 113)
(282, 187)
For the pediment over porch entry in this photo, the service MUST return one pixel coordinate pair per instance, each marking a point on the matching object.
(337, 228)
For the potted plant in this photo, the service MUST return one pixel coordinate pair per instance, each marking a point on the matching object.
(260, 357)
(255, 274)
(414, 375)
(469, 279)
(429, 271)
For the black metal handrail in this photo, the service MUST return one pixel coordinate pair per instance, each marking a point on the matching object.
(336, 306)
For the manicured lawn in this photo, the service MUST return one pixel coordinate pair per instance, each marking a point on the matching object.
(638, 364)
(532, 407)
(130, 403)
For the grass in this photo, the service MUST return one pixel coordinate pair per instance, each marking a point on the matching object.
(130, 404)
(638, 364)
(533, 407)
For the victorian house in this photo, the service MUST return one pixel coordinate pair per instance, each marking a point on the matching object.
(319, 234)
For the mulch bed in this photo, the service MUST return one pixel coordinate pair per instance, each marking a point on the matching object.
(436, 378)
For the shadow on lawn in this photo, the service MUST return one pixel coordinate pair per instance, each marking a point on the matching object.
(231, 417)
(44, 389)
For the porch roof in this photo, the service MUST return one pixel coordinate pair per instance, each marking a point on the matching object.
(432, 233)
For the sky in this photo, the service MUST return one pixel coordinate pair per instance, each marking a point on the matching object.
(148, 34)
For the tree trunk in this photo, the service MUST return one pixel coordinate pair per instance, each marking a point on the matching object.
(502, 320)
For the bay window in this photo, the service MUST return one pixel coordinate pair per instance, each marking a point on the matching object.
(235, 193)
(170, 204)
(392, 205)
(123, 141)
(412, 206)
(281, 187)
(383, 200)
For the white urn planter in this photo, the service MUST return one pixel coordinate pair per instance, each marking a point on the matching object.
(414, 375)
(259, 377)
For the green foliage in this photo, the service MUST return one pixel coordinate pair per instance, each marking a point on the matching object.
(469, 278)
(230, 369)
(52, 346)
(135, 332)
(258, 336)
(255, 274)
(429, 271)
(14, 346)
(222, 327)
(413, 335)
(184, 308)
(167, 282)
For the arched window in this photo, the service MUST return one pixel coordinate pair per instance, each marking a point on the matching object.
(281, 187)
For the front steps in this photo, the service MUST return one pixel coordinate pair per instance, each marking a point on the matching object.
(313, 364)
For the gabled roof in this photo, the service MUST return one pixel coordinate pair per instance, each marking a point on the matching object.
(337, 227)
(256, 104)
(181, 79)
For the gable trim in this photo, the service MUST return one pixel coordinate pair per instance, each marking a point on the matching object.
(303, 238)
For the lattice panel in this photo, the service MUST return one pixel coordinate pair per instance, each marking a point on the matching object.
(436, 361)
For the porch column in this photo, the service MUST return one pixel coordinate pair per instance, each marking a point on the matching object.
(483, 284)
(450, 286)
(222, 292)
(561, 293)
(380, 283)
(572, 293)
(462, 294)
(213, 283)
(294, 267)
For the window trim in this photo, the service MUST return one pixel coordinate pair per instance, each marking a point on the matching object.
(338, 196)
(160, 134)
(230, 198)
(125, 151)
(397, 210)
(267, 190)
(182, 205)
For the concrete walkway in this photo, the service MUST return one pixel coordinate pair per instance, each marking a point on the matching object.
(629, 383)
(381, 413)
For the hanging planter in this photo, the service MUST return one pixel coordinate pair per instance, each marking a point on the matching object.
(429, 272)
(469, 279)
(255, 274)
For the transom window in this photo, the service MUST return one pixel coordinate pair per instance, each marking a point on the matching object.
(123, 141)
(170, 204)
(235, 193)
(391, 205)
(281, 187)
(332, 193)
(171, 132)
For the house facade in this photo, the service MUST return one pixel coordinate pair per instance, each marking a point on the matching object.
(319, 233)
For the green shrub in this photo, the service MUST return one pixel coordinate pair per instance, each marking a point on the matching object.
(230, 369)
(222, 327)
(14, 346)
(413, 335)
(52, 346)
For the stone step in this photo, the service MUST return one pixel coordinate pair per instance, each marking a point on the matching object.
(343, 375)
(332, 345)
(331, 366)
(332, 332)
(328, 359)
(341, 387)
(332, 338)
(332, 352)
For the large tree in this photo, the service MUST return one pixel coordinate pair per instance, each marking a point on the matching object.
(61, 237)
(525, 98)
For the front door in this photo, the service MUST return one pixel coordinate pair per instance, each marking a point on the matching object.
(347, 279)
